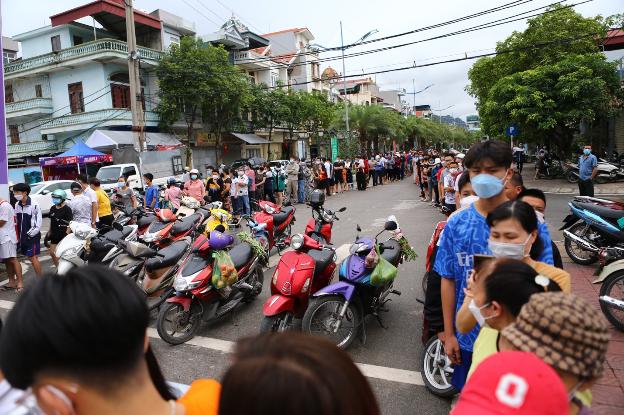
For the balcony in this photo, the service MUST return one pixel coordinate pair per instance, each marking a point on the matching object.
(103, 50)
(251, 60)
(92, 119)
(22, 110)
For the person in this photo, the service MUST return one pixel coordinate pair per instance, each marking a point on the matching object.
(98, 359)
(588, 169)
(494, 296)
(537, 199)
(251, 174)
(280, 184)
(290, 373)
(172, 194)
(442, 173)
(104, 213)
(360, 174)
(512, 383)
(226, 193)
(260, 181)
(269, 183)
(466, 234)
(80, 205)
(465, 195)
(449, 186)
(292, 171)
(338, 179)
(214, 185)
(329, 173)
(186, 176)
(241, 186)
(433, 176)
(151, 192)
(349, 167)
(194, 187)
(60, 216)
(514, 186)
(372, 172)
(301, 180)
(125, 195)
(29, 220)
(518, 154)
(8, 247)
(90, 193)
(582, 337)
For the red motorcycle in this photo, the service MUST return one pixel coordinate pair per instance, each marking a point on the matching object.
(300, 273)
(167, 228)
(319, 227)
(278, 221)
(196, 300)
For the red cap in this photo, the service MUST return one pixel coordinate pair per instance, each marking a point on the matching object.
(513, 383)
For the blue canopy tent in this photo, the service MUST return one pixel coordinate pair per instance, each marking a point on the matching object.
(80, 153)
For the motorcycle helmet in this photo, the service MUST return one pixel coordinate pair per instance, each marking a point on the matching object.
(59, 194)
(219, 240)
(171, 180)
(166, 215)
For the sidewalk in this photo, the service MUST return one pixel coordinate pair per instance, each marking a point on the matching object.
(609, 390)
(562, 186)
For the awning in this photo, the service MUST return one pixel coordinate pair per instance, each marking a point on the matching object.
(251, 138)
(80, 153)
(107, 140)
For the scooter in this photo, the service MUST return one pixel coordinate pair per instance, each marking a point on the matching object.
(279, 222)
(301, 272)
(607, 172)
(70, 251)
(610, 275)
(319, 227)
(196, 300)
(592, 224)
(103, 247)
(168, 228)
(338, 310)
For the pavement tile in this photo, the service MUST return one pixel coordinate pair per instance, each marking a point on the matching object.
(616, 361)
(616, 347)
(608, 395)
(606, 410)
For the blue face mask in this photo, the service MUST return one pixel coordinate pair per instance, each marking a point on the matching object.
(57, 201)
(486, 185)
(120, 185)
(587, 152)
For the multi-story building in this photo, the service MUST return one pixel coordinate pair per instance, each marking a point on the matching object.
(423, 111)
(10, 48)
(392, 99)
(473, 122)
(361, 91)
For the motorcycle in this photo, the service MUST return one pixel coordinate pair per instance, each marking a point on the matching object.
(168, 228)
(549, 167)
(338, 310)
(278, 221)
(70, 251)
(592, 224)
(607, 172)
(217, 217)
(196, 300)
(301, 272)
(319, 227)
(611, 277)
(103, 247)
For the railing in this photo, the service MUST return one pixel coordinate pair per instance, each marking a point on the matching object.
(43, 103)
(93, 117)
(249, 57)
(80, 51)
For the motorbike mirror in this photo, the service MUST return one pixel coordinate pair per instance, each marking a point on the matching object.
(117, 226)
(342, 209)
(390, 225)
(358, 228)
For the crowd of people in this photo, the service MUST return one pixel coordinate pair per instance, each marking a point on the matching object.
(518, 339)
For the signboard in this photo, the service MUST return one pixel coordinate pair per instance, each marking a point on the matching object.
(512, 131)
(334, 148)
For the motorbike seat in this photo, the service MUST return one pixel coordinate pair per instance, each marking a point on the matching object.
(318, 238)
(144, 221)
(322, 258)
(602, 211)
(185, 224)
(115, 235)
(167, 256)
(391, 251)
(101, 243)
(281, 217)
(241, 254)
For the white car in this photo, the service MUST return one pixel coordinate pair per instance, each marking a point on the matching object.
(42, 192)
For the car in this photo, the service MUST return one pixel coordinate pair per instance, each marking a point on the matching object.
(255, 162)
(41, 192)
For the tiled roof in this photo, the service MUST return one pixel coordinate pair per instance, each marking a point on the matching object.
(294, 29)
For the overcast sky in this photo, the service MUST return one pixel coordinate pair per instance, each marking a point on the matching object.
(323, 18)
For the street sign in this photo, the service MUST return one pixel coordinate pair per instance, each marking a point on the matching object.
(334, 148)
(512, 131)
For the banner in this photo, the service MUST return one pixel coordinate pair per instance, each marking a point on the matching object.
(334, 148)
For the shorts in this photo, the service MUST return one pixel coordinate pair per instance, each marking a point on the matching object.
(31, 247)
(338, 177)
(460, 371)
(8, 250)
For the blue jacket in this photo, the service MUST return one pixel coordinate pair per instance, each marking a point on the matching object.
(29, 220)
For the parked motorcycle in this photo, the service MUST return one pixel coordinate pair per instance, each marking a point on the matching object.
(103, 247)
(196, 300)
(168, 228)
(592, 224)
(71, 249)
(607, 172)
(319, 227)
(338, 310)
(610, 274)
(549, 167)
(278, 221)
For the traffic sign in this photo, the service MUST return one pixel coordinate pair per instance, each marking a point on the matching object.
(512, 131)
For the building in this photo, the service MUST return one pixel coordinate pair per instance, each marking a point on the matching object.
(10, 48)
(473, 123)
(73, 78)
(423, 111)
(361, 91)
(392, 99)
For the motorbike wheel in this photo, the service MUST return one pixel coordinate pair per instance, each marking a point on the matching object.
(575, 251)
(277, 324)
(571, 177)
(424, 283)
(613, 286)
(176, 326)
(437, 369)
(256, 281)
(601, 179)
(322, 316)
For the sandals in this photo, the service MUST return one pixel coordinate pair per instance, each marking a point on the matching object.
(19, 290)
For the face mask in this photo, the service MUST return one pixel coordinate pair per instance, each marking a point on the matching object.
(468, 200)
(508, 250)
(120, 185)
(587, 152)
(57, 201)
(453, 170)
(240, 174)
(215, 176)
(476, 312)
(486, 185)
(19, 197)
(540, 217)
(193, 177)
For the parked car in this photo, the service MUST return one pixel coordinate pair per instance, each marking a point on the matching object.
(255, 162)
(41, 192)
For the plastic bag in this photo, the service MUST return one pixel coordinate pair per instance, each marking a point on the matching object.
(384, 272)
(223, 271)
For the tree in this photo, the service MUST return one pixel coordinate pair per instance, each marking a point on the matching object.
(268, 107)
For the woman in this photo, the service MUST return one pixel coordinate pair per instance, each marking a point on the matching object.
(279, 184)
(173, 194)
(226, 193)
(292, 373)
(261, 180)
(214, 185)
(60, 216)
(269, 183)
(349, 173)
(125, 195)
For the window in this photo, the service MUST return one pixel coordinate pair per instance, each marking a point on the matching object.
(274, 79)
(38, 91)
(253, 152)
(14, 132)
(177, 164)
(56, 43)
(8, 93)
(128, 171)
(121, 95)
(8, 56)
(77, 40)
(76, 99)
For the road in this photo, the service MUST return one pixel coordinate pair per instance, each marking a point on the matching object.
(391, 356)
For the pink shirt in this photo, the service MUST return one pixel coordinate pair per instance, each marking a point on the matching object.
(173, 195)
(252, 175)
(195, 189)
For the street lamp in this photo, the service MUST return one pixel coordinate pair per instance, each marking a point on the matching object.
(442, 109)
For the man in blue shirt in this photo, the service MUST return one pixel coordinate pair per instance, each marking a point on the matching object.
(151, 191)
(466, 234)
(588, 169)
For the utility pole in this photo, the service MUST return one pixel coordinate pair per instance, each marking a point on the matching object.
(414, 89)
(344, 82)
(4, 151)
(136, 101)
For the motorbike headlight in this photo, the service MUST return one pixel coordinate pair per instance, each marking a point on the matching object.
(296, 242)
(305, 287)
(275, 277)
(148, 237)
(180, 284)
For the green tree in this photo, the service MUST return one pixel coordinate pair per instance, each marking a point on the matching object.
(268, 107)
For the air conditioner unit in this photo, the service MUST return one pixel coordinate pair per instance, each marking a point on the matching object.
(44, 137)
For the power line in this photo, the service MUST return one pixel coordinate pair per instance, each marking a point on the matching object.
(206, 7)
(201, 13)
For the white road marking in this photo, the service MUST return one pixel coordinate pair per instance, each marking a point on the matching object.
(406, 204)
(391, 374)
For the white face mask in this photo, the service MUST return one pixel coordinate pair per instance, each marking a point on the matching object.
(19, 197)
(468, 200)
(476, 312)
(508, 250)
(453, 170)
(540, 217)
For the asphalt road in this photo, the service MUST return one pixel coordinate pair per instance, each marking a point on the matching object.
(391, 356)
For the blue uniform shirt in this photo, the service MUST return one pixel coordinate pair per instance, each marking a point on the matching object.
(586, 166)
(151, 194)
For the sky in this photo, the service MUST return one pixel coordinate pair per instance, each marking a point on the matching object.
(323, 17)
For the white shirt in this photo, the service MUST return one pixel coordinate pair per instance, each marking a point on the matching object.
(8, 401)
(90, 193)
(449, 181)
(242, 181)
(81, 208)
(7, 231)
(328, 167)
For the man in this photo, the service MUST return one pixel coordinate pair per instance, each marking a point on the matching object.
(372, 170)
(8, 246)
(249, 172)
(60, 216)
(514, 186)
(304, 173)
(449, 186)
(329, 171)
(241, 186)
(104, 213)
(194, 187)
(518, 153)
(588, 169)
(90, 193)
(80, 205)
(29, 221)
(292, 171)
(467, 234)
(338, 179)
(151, 191)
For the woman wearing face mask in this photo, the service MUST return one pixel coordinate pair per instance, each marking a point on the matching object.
(125, 195)
(495, 297)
